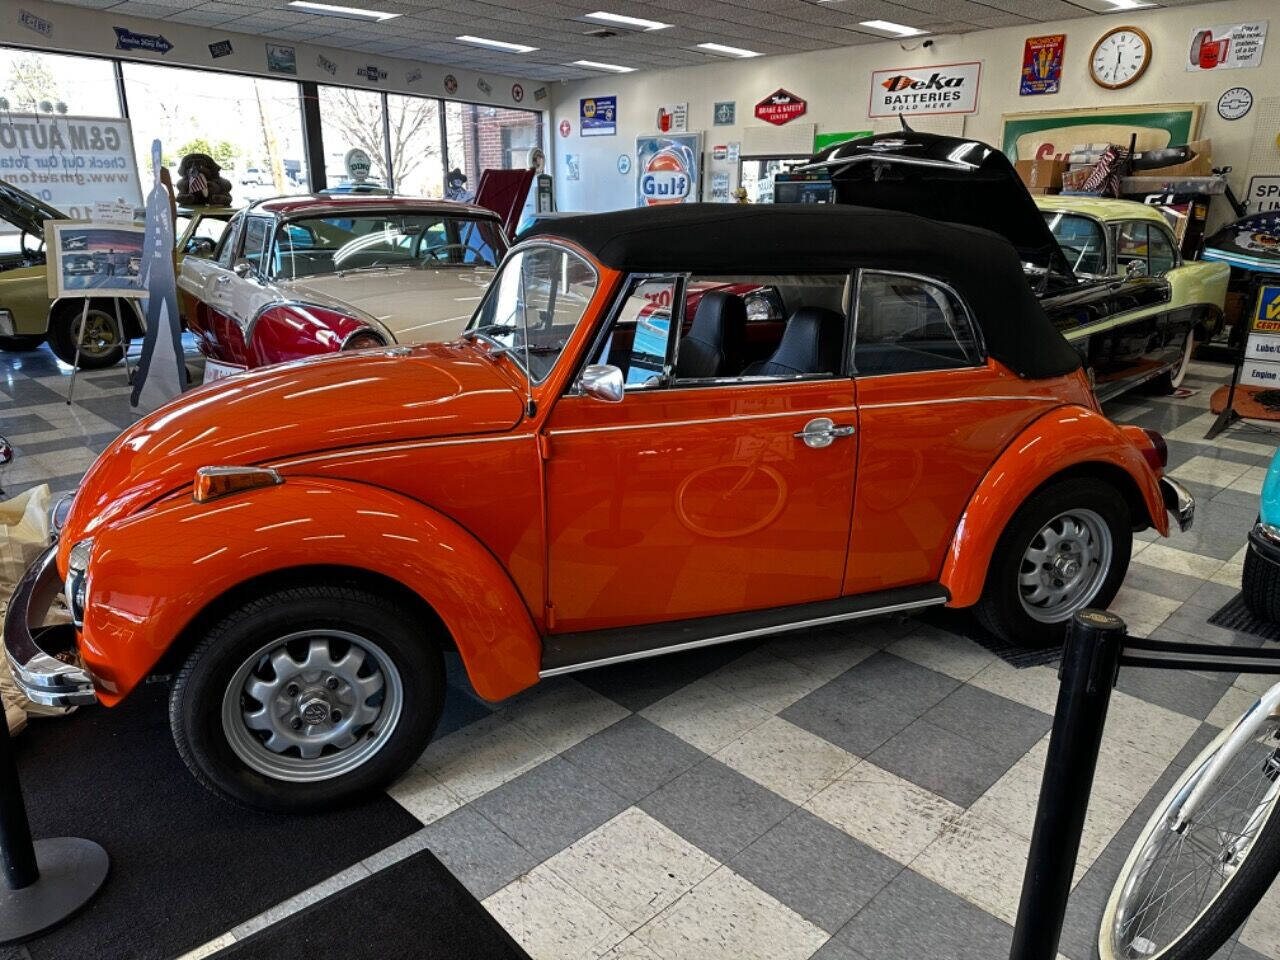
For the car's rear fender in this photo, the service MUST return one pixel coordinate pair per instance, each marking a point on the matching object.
(1066, 441)
(154, 574)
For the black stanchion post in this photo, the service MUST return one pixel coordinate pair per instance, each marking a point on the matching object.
(45, 881)
(1090, 662)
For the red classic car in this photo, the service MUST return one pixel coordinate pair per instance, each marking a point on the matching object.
(583, 479)
(303, 276)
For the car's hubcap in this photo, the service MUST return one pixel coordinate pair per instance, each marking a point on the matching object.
(312, 705)
(1065, 565)
(99, 336)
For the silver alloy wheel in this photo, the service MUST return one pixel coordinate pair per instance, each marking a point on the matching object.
(1064, 566)
(99, 336)
(312, 705)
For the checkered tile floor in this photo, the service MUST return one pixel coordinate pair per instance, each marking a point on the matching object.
(863, 792)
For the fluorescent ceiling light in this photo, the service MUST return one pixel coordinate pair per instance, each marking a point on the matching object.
(349, 13)
(1130, 4)
(496, 44)
(611, 67)
(637, 22)
(897, 29)
(727, 51)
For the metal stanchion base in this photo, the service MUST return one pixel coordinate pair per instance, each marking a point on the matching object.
(71, 871)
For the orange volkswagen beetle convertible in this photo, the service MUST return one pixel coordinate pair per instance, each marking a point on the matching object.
(589, 476)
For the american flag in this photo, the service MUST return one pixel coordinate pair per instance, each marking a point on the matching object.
(198, 183)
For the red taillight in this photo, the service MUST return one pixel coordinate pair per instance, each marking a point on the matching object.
(363, 340)
(1158, 453)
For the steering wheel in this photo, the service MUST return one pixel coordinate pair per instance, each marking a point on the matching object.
(22, 245)
(434, 252)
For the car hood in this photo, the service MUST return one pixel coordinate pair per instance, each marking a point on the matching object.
(285, 411)
(942, 178)
(414, 304)
(24, 211)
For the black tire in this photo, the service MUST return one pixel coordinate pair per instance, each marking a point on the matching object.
(1000, 608)
(64, 320)
(21, 344)
(196, 700)
(1169, 381)
(1260, 586)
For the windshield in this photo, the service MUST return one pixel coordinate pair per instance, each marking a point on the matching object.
(335, 244)
(534, 305)
(1081, 240)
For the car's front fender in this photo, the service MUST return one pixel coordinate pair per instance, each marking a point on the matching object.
(1070, 438)
(152, 574)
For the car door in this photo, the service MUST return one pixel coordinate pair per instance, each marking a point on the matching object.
(202, 293)
(249, 288)
(692, 498)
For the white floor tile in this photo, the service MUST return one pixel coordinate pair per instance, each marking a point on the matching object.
(1232, 706)
(1209, 470)
(947, 653)
(768, 681)
(1035, 687)
(552, 920)
(981, 861)
(1163, 557)
(791, 762)
(486, 754)
(705, 715)
(561, 712)
(423, 795)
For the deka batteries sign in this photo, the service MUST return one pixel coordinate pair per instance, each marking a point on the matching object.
(941, 88)
(667, 169)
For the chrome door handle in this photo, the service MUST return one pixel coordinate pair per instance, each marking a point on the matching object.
(822, 432)
(222, 281)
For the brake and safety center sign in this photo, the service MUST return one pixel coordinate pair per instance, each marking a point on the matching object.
(938, 88)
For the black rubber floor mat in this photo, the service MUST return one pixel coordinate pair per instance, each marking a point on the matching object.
(1236, 616)
(964, 624)
(185, 866)
(412, 909)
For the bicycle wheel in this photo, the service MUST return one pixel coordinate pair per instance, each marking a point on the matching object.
(1183, 892)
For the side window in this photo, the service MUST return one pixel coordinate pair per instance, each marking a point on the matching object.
(1131, 247)
(907, 324)
(638, 339)
(256, 232)
(1161, 257)
(227, 245)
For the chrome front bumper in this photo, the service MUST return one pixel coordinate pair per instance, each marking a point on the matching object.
(1178, 501)
(43, 660)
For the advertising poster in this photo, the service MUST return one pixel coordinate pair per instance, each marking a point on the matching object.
(725, 113)
(84, 256)
(673, 117)
(723, 171)
(598, 116)
(1230, 46)
(70, 162)
(1264, 194)
(1262, 350)
(1053, 133)
(781, 106)
(925, 91)
(1042, 64)
(823, 140)
(667, 169)
(282, 59)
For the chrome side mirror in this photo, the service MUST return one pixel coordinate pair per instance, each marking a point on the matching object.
(242, 268)
(604, 382)
(1136, 268)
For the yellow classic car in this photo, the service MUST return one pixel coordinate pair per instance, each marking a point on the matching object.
(27, 315)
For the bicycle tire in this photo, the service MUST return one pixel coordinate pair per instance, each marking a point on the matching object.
(1217, 920)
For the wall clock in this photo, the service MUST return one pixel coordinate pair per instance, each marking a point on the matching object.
(1120, 57)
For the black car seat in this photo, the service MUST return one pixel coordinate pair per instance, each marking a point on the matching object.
(811, 343)
(714, 345)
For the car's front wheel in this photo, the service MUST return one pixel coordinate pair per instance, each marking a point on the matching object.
(1065, 549)
(307, 698)
(101, 344)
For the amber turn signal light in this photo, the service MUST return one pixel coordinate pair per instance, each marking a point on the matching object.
(214, 482)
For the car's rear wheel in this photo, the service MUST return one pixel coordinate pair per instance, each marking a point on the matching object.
(21, 343)
(1065, 549)
(101, 345)
(307, 698)
(1260, 586)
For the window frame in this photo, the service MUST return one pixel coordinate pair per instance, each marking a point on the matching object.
(628, 285)
(980, 342)
(1164, 231)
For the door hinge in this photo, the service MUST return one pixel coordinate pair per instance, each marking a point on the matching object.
(544, 446)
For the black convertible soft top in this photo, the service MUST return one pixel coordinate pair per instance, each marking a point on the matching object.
(743, 240)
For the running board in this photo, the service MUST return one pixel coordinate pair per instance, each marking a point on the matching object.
(570, 652)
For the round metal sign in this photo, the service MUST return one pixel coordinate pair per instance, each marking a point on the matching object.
(565, 127)
(624, 163)
(1235, 103)
(358, 164)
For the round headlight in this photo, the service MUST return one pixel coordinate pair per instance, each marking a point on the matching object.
(78, 556)
(364, 340)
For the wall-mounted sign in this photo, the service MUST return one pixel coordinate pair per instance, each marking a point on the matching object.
(598, 116)
(1042, 64)
(1264, 194)
(126, 39)
(1044, 134)
(221, 48)
(413, 76)
(1227, 47)
(922, 91)
(357, 164)
(1235, 103)
(779, 107)
(450, 84)
(673, 117)
(517, 93)
(667, 169)
(573, 166)
(282, 59)
(39, 24)
(537, 160)
(725, 113)
(823, 140)
(540, 93)
(371, 72)
(484, 86)
(565, 128)
(327, 65)
(624, 163)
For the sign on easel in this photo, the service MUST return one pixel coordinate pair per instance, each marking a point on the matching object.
(1262, 351)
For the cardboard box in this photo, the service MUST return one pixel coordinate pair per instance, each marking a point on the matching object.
(1041, 176)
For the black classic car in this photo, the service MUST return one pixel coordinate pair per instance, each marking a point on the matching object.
(1129, 329)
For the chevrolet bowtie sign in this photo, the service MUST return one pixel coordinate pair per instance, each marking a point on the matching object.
(945, 88)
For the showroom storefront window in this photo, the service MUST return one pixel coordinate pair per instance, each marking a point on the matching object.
(252, 127)
(35, 82)
(481, 137)
(417, 150)
(352, 119)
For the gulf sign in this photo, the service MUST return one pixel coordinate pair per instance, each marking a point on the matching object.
(667, 172)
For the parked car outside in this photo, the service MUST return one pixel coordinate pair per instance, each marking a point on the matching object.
(1129, 329)
(575, 483)
(303, 276)
(28, 317)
